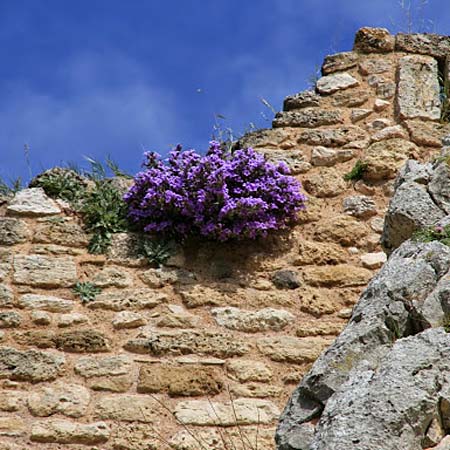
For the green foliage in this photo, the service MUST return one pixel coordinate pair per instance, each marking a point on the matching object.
(9, 188)
(435, 233)
(357, 172)
(104, 213)
(99, 171)
(446, 324)
(86, 291)
(156, 251)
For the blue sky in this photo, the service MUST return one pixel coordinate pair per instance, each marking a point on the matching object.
(99, 77)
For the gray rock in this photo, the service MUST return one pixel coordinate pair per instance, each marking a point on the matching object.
(32, 202)
(286, 279)
(425, 44)
(266, 137)
(339, 61)
(308, 118)
(383, 314)
(336, 82)
(13, 231)
(294, 159)
(360, 206)
(336, 137)
(418, 88)
(373, 40)
(439, 186)
(415, 172)
(305, 99)
(410, 209)
(10, 319)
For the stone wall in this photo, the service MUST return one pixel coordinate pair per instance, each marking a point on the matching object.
(221, 335)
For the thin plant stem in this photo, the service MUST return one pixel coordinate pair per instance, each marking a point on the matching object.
(235, 416)
(219, 429)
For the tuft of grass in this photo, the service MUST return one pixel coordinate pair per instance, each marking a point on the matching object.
(435, 233)
(357, 172)
(87, 291)
(156, 251)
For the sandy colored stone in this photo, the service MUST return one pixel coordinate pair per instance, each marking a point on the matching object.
(163, 276)
(69, 320)
(32, 202)
(418, 88)
(267, 319)
(342, 275)
(359, 206)
(373, 40)
(372, 65)
(294, 159)
(112, 277)
(185, 342)
(71, 400)
(200, 295)
(427, 133)
(10, 319)
(359, 114)
(336, 82)
(127, 408)
(10, 401)
(30, 365)
(65, 432)
(380, 104)
(373, 260)
(245, 370)
(423, 43)
(311, 252)
(320, 328)
(338, 62)
(13, 231)
(12, 426)
(328, 183)
(177, 317)
(255, 390)
(341, 229)
(6, 296)
(45, 303)
(396, 131)
(41, 317)
(60, 232)
(88, 366)
(323, 156)
(82, 341)
(119, 383)
(350, 98)
(184, 381)
(304, 99)
(128, 319)
(119, 300)
(335, 137)
(308, 118)
(291, 349)
(384, 159)
(244, 411)
(44, 271)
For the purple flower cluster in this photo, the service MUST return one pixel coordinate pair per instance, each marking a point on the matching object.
(220, 196)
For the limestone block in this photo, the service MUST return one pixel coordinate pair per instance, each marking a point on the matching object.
(305, 99)
(245, 370)
(69, 320)
(128, 319)
(342, 229)
(328, 183)
(323, 156)
(13, 231)
(45, 303)
(10, 401)
(425, 44)
(120, 300)
(61, 232)
(342, 275)
(112, 277)
(359, 206)
(308, 118)
(294, 159)
(89, 366)
(336, 137)
(371, 66)
(32, 202)
(427, 133)
(13, 426)
(338, 62)
(350, 98)
(373, 40)
(336, 82)
(10, 319)
(318, 253)
(373, 260)
(396, 131)
(6, 296)
(127, 408)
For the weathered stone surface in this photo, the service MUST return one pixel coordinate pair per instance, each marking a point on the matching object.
(418, 88)
(327, 183)
(359, 114)
(120, 300)
(311, 252)
(339, 61)
(129, 408)
(12, 426)
(119, 383)
(359, 206)
(252, 321)
(382, 315)
(305, 99)
(286, 279)
(10, 401)
(82, 341)
(41, 318)
(373, 260)
(439, 188)
(182, 381)
(425, 44)
(124, 249)
(383, 159)
(88, 366)
(386, 89)
(336, 137)
(371, 66)
(294, 159)
(6, 296)
(255, 390)
(32, 202)
(64, 432)
(128, 319)
(319, 328)
(342, 275)
(291, 349)
(245, 370)
(45, 303)
(61, 232)
(394, 132)
(410, 209)
(71, 400)
(112, 277)
(13, 231)
(342, 229)
(265, 137)
(350, 98)
(323, 156)
(10, 319)
(178, 317)
(29, 365)
(183, 342)
(243, 412)
(44, 271)
(427, 133)
(69, 320)
(373, 40)
(380, 104)
(308, 118)
(336, 82)
(158, 278)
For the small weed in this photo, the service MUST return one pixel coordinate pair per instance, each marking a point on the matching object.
(444, 94)
(86, 291)
(11, 187)
(156, 251)
(446, 323)
(435, 233)
(357, 172)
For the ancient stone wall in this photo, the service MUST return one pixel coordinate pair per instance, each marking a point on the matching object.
(208, 349)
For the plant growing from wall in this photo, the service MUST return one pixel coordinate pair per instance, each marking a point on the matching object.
(357, 172)
(220, 196)
(87, 291)
(435, 233)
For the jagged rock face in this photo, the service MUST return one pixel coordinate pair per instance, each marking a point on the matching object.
(382, 381)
